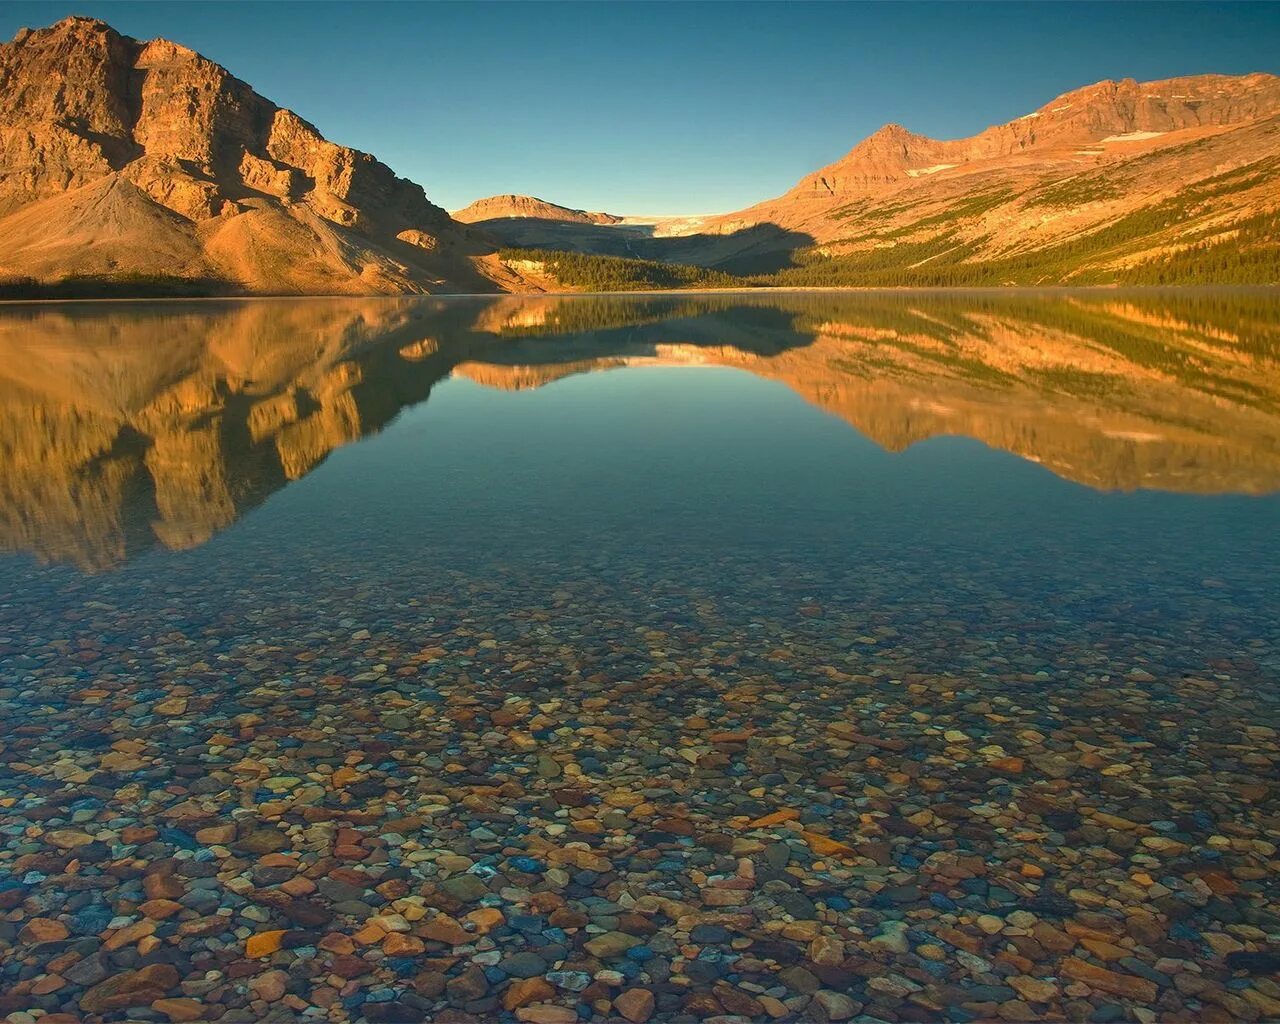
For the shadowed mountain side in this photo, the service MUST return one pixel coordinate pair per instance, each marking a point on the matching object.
(759, 249)
(126, 427)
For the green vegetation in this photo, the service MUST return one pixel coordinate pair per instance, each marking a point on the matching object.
(1246, 252)
(970, 206)
(1176, 241)
(120, 286)
(1247, 256)
(1076, 191)
(618, 274)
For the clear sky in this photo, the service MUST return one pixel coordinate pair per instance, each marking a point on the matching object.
(657, 108)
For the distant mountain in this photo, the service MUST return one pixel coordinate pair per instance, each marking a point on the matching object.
(125, 160)
(1092, 186)
(530, 207)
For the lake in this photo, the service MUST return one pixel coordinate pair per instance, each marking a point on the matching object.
(897, 656)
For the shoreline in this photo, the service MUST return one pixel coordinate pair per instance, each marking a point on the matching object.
(1055, 289)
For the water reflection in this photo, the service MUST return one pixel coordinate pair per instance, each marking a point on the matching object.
(127, 426)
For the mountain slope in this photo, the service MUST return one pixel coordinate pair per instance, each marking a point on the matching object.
(1096, 185)
(121, 158)
(500, 207)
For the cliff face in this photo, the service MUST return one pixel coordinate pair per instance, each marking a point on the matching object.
(177, 168)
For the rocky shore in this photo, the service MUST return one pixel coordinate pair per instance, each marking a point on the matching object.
(523, 796)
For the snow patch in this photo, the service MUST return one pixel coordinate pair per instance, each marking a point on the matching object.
(1140, 436)
(1133, 136)
(929, 170)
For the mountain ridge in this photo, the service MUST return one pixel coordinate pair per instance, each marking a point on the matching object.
(1102, 113)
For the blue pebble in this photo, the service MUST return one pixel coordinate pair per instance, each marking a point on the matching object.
(88, 803)
(940, 902)
(528, 865)
(574, 981)
(838, 903)
(179, 837)
(495, 974)
(640, 954)
(91, 920)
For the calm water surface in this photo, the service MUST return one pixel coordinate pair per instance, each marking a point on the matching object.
(941, 627)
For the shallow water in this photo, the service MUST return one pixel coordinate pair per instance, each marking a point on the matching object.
(803, 640)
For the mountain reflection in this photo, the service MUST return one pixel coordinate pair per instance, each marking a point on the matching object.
(127, 426)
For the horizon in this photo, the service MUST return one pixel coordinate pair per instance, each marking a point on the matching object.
(746, 71)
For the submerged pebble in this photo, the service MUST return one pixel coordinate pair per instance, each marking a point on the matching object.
(620, 788)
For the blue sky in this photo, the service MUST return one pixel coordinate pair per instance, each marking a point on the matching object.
(666, 107)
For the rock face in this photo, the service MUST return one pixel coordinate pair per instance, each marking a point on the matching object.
(123, 158)
(530, 207)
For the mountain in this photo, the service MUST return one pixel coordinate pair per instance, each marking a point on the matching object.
(528, 207)
(131, 167)
(123, 160)
(1102, 183)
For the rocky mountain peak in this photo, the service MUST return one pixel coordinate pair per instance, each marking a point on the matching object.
(528, 207)
(80, 103)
